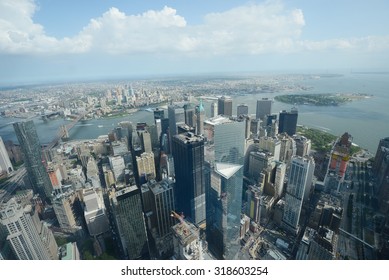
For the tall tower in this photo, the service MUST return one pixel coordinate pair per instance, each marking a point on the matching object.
(224, 106)
(5, 163)
(214, 109)
(288, 122)
(224, 179)
(200, 113)
(146, 167)
(299, 182)
(30, 239)
(263, 108)
(242, 109)
(188, 153)
(32, 155)
(127, 211)
(176, 116)
(224, 202)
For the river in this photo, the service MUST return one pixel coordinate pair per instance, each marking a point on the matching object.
(366, 120)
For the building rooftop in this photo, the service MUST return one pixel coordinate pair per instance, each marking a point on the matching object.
(186, 232)
(227, 170)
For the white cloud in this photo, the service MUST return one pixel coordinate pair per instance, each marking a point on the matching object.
(249, 29)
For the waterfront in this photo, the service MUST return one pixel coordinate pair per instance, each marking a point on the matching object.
(366, 120)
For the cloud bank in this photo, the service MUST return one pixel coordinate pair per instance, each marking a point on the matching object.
(253, 29)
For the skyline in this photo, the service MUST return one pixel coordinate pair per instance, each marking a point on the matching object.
(42, 41)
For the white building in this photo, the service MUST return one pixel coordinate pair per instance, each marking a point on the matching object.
(299, 182)
(95, 213)
(29, 237)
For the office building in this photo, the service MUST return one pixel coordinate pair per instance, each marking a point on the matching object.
(188, 153)
(63, 205)
(96, 216)
(299, 182)
(162, 205)
(200, 117)
(340, 156)
(258, 162)
(381, 171)
(29, 237)
(242, 109)
(253, 206)
(186, 241)
(159, 114)
(224, 202)
(146, 167)
(176, 116)
(288, 122)
(225, 139)
(32, 155)
(263, 108)
(117, 166)
(5, 162)
(224, 106)
(126, 207)
(214, 109)
(303, 145)
(288, 147)
(190, 114)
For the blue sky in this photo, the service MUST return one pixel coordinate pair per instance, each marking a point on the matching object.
(45, 40)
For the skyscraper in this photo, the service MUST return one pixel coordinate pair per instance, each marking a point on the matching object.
(224, 202)
(214, 109)
(263, 108)
(200, 117)
(30, 238)
(288, 122)
(188, 153)
(127, 211)
(242, 109)
(299, 182)
(5, 162)
(224, 179)
(224, 106)
(32, 154)
(176, 116)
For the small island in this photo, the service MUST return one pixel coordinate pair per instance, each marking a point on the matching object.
(326, 99)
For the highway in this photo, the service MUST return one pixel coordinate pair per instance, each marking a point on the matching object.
(12, 184)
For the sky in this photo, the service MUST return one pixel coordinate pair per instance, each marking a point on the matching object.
(53, 40)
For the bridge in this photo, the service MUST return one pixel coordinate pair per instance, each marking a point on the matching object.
(63, 132)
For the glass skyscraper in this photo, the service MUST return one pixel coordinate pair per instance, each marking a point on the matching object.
(33, 159)
(188, 153)
(127, 211)
(224, 179)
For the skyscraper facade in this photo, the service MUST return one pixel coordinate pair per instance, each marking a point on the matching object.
(224, 106)
(299, 181)
(32, 155)
(214, 109)
(188, 153)
(263, 108)
(288, 122)
(242, 109)
(224, 202)
(127, 211)
(30, 239)
(224, 179)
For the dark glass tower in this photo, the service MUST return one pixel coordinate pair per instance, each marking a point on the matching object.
(188, 153)
(127, 211)
(288, 122)
(32, 155)
(224, 106)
